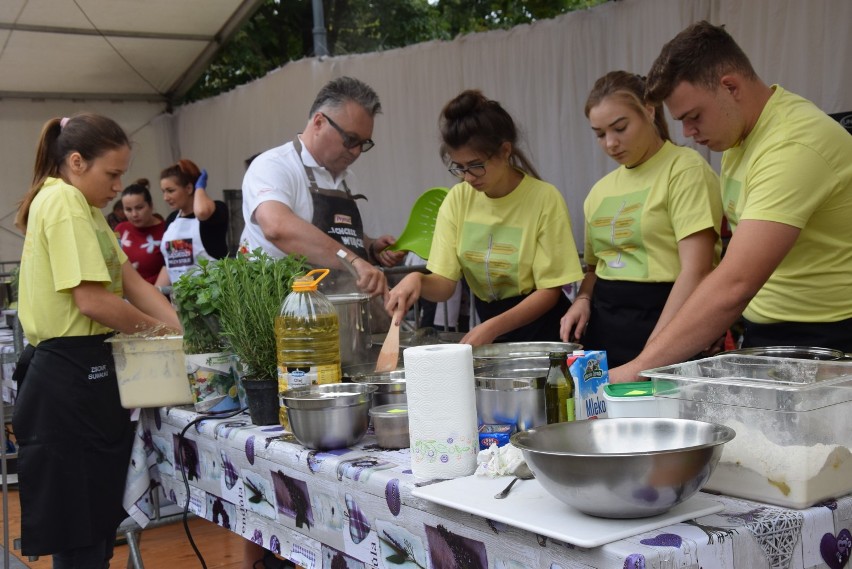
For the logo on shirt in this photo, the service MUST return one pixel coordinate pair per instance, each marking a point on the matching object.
(340, 218)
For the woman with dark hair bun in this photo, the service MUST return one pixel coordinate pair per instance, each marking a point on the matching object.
(76, 289)
(652, 224)
(141, 234)
(198, 226)
(504, 230)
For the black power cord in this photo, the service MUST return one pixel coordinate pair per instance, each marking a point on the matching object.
(181, 438)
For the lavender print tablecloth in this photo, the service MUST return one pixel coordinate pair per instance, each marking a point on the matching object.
(354, 508)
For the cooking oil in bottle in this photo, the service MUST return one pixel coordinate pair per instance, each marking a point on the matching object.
(307, 337)
(559, 390)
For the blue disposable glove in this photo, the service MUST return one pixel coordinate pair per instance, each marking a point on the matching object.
(202, 180)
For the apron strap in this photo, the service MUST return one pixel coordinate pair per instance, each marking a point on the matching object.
(297, 144)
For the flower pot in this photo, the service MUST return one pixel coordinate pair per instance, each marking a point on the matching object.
(262, 395)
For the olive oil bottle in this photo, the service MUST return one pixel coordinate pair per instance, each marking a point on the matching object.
(307, 337)
(559, 390)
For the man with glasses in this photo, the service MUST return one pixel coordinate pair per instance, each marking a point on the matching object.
(296, 198)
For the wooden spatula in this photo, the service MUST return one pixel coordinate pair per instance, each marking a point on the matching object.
(389, 356)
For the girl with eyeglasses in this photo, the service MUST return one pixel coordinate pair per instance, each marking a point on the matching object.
(652, 224)
(501, 228)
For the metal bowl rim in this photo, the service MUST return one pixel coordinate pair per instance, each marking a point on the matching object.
(513, 350)
(290, 397)
(729, 435)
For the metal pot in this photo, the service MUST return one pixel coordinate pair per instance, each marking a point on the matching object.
(422, 337)
(511, 392)
(353, 314)
(511, 350)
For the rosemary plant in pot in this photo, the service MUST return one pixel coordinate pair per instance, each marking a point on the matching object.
(210, 364)
(252, 287)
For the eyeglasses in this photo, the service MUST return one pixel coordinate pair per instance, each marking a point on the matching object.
(475, 170)
(350, 141)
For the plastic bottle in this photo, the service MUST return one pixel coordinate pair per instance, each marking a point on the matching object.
(307, 337)
(559, 390)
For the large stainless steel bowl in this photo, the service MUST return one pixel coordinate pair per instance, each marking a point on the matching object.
(625, 467)
(330, 416)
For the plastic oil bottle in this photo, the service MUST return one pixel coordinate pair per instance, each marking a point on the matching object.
(307, 337)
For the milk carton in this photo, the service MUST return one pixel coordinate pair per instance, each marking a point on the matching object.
(591, 373)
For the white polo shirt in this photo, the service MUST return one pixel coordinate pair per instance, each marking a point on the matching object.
(279, 175)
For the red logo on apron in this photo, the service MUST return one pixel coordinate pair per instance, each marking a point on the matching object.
(340, 218)
(179, 253)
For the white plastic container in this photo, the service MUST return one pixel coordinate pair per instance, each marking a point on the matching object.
(151, 371)
(635, 399)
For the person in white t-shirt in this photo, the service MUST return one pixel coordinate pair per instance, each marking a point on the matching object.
(297, 199)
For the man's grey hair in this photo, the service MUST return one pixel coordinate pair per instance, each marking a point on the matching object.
(343, 89)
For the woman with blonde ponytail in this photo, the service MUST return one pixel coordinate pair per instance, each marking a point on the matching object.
(76, 289)
(652, 224)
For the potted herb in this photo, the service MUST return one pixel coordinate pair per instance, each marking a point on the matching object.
(252, 287)
(209, 364)
(196, 296)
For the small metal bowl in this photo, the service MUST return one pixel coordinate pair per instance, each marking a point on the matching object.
(390, 385)
(625, 467)
(330, 416)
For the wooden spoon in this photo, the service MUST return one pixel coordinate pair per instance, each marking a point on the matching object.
(389, 356)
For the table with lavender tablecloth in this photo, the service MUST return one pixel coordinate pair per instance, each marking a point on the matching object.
(354, 508)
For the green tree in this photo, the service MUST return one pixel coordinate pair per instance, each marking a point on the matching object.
(282, 31)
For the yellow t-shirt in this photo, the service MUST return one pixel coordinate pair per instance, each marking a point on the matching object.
(636, 216)
(507, 246)
(795, 167)
(67, 242)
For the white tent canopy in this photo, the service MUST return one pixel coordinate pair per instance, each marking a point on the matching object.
(151, 50)
(541, 73)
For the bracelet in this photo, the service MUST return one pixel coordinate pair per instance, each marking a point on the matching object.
(583, 297)
(345, 256)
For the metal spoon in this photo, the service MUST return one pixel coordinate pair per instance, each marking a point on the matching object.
(522, 472)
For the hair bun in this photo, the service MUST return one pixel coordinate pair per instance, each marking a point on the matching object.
(465, 104)
(143, 182)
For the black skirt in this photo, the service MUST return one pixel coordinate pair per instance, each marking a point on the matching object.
(544, 329)
(623, 316)
(74, 445)
(834, 335)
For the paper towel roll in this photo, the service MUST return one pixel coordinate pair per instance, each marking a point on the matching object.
(441, 410)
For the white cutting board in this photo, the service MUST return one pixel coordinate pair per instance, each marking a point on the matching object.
(531, 507)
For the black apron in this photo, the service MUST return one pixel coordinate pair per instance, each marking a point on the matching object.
(336, 212)
(74, 444)
(544, 329)
(623, 316)
(834, 335)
